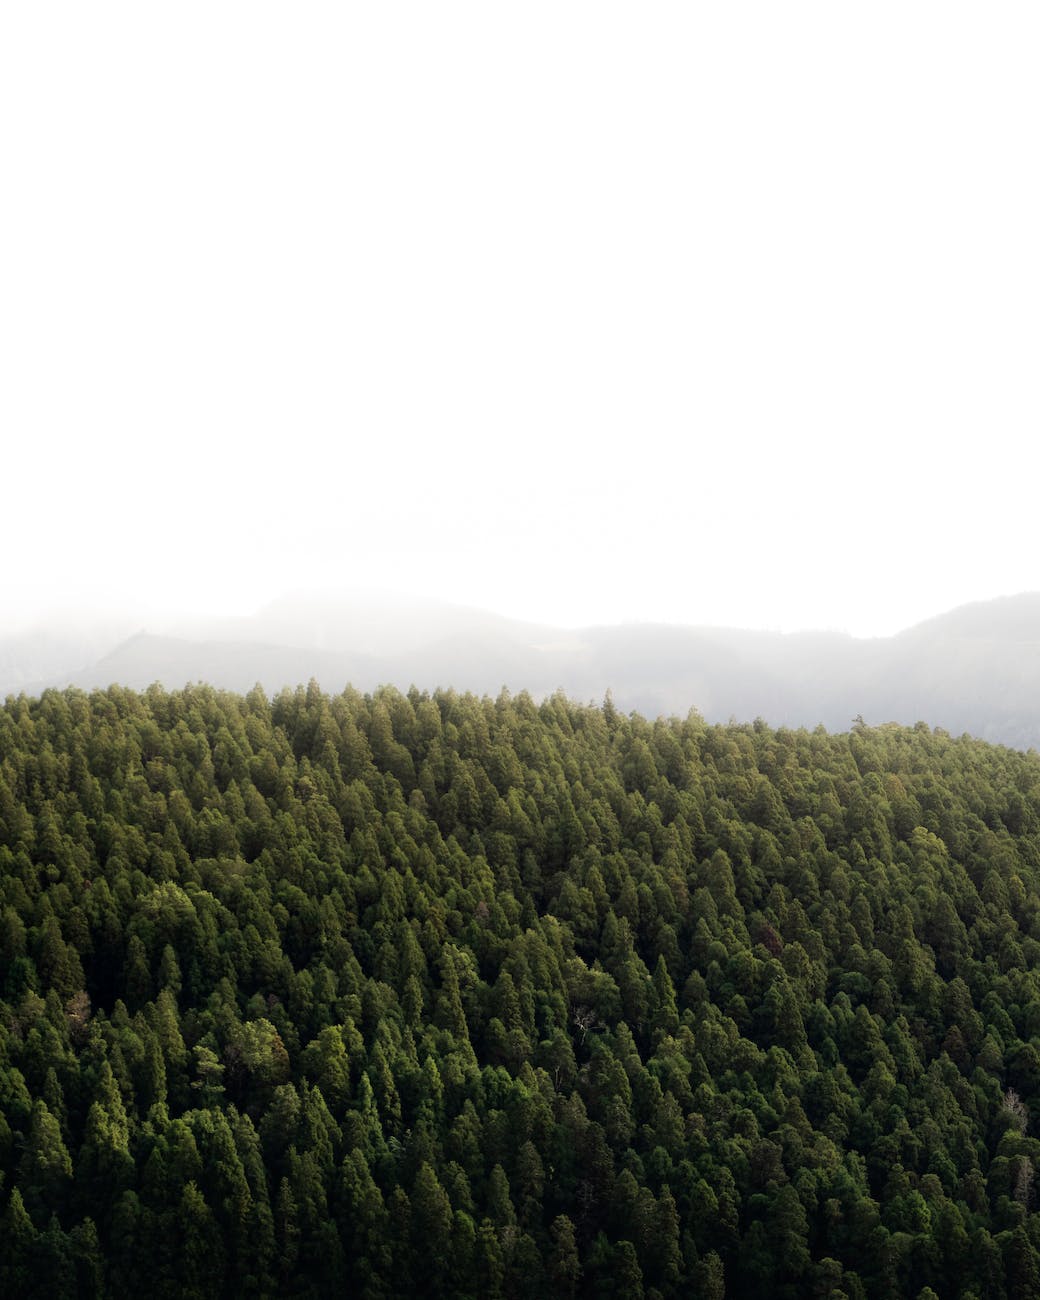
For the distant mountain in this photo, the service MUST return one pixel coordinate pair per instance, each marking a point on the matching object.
(974, 669)
(58, 647)
(1010, 619)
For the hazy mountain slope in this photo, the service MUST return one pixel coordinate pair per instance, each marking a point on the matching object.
(975, 669)
(1008, 619)
(236, 666)
(51, 648)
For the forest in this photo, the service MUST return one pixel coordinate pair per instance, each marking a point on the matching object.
(408, 993)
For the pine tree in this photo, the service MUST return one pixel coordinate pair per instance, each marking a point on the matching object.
(104, 1167)
(17, 1249)
(89, 1261)
(200, 1253)
(431, 1223)
(287, 1231)
(45, 1170)
(564, 1265)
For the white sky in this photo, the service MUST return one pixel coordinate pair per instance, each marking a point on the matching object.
(578, 312)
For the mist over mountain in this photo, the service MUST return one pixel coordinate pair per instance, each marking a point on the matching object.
(974, 669)
(58, 647)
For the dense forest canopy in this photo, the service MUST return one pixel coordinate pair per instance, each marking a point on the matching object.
(399, 993)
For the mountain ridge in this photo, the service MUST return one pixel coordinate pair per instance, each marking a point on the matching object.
(973, 669)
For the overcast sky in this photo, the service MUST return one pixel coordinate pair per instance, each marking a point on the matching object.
(717, 313)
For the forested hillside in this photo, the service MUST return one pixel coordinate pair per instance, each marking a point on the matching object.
(394, 994)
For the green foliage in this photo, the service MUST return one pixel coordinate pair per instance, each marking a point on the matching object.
(455, 996)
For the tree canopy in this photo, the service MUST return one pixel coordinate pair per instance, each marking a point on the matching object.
(460, 996)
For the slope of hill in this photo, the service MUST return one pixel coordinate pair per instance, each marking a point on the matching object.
(443, 996)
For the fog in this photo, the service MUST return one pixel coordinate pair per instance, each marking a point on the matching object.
(580, 314)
